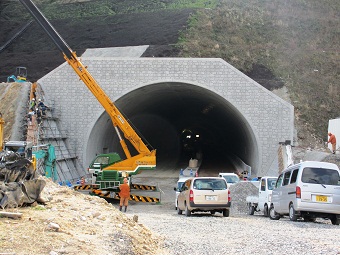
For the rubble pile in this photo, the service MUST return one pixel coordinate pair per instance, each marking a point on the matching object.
(239, 193)
(19, 182)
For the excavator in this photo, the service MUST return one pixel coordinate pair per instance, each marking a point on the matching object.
(44, 160)
(108, 171)
(20, 75)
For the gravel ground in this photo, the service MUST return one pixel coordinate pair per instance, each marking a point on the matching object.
(238, 234)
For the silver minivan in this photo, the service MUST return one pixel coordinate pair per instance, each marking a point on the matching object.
(307, 190)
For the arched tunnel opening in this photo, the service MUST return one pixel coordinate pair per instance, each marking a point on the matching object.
(181, 121)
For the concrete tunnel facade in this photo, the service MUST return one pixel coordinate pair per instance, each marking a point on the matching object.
(184, 108)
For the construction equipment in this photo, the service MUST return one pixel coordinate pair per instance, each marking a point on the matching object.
(20, 75)
(44, 160)
(22, 148)
(107, 175)
(18, 176)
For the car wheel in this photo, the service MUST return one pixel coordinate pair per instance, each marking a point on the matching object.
(335, 220)
(226, 213)
(265, 210)
(179, 211)
(292, 213)
(212, 212)
(187, 211)
(251, 209)
(272, 214)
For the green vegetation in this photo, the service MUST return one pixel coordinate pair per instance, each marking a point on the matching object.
(298, 41)
(39, 208)
(75, 9)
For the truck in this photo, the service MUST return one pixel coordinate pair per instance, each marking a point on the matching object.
(107, 171)
(261, 201)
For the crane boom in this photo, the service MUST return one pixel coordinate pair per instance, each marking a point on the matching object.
(145, 155)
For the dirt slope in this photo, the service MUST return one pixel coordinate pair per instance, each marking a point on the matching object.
(74, 223)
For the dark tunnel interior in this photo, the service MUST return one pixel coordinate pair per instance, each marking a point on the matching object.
(182, 121)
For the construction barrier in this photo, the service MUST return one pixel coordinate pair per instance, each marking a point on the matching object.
(144, 199)
(85, 187)
(113, 195)
(143, 187)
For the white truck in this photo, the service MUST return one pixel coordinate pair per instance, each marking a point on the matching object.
(261, 202)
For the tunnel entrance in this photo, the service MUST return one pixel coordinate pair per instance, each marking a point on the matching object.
(181, 121)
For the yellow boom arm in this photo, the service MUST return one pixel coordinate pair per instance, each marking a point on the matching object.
(145, 156)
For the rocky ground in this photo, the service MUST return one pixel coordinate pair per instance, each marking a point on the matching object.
(76, 223)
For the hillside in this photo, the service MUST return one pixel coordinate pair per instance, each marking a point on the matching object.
(292, 43)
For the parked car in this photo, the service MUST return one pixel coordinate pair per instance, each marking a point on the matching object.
(309, 190)
(204, 194)
(231, 178)
(178, 187)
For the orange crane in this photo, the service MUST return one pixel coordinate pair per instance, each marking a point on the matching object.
(103, 171)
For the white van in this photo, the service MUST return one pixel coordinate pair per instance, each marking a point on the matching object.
(309, 190)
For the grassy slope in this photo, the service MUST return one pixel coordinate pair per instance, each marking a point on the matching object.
(298, 41)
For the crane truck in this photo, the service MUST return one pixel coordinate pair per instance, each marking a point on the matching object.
(108, 170)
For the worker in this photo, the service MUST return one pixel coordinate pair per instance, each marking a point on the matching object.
(332, 140)
(82, 181)
(38, 113)
(124, 195)
(42, 107)
(30, 115)
(32, 104)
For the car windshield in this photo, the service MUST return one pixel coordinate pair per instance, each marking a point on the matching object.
(210, 184)
(179, 185)
(271, 183)
(320, 176)
(102, 160)
(231, 178)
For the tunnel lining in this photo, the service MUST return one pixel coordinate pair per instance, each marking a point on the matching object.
(167, 106)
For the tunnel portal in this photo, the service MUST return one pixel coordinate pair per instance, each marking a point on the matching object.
(183, 107)
(182, 121)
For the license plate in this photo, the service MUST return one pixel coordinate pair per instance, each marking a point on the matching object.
(211, 198)
(321, 198)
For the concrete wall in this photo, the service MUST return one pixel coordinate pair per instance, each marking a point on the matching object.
(270, 118)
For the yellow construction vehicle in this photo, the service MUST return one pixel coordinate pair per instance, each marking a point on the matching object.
(108, 171)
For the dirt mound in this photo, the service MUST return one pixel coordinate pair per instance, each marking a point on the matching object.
(74, 223)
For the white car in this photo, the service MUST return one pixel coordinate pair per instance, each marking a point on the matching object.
(231, 178)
